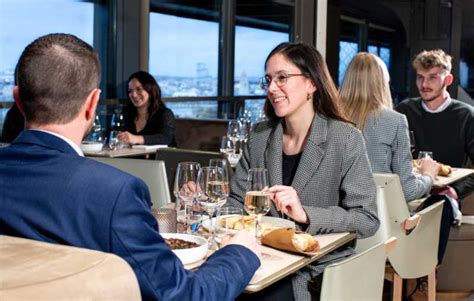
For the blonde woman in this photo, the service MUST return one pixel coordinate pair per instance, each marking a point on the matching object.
(366, 99)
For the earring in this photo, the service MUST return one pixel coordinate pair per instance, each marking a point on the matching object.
(309, 97)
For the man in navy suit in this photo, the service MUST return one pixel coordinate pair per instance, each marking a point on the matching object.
(50, 192)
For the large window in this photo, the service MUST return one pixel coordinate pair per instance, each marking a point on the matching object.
(250, 68)
(184, 55)
(22, 21)
(212, 51)
(347, 50)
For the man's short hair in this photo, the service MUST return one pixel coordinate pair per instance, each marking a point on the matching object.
(55, 74)
(433, 58)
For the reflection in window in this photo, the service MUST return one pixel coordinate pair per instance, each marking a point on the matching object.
(254, 108)
(23, 21)
(463, 74)
(184, 55)
(382, 52)
(347, 50)
(250, 68)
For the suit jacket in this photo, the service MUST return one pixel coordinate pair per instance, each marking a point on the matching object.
(333, 180)
(49, 193)
(388, 147)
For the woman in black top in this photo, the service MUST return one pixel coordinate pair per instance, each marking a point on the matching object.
(147, 120)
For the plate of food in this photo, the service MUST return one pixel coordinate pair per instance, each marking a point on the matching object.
(247, 222)
(189, 248)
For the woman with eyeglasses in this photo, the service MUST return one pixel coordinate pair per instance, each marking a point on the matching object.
(147, 119)
(319, 173)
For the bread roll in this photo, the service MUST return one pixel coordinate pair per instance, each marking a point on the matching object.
(305, 242)
(444, 170)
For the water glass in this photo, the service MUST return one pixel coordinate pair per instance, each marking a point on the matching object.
(166, 218)
(422, 155)
(114, 142)
(186, 190)
(224, 226)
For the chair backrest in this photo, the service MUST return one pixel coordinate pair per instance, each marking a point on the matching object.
(173, 156)
(343, 280)
(422, 240)
(32, 269)
(152, 172)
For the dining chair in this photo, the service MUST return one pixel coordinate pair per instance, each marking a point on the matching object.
(416, 254)
(343, 281)
(33, 270)
(172, 156)
(152, 172)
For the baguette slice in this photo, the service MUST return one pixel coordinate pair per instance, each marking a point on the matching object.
(445, 170)
(286, 239)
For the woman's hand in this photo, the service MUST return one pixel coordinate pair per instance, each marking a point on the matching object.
(286, 200)
(429, 167)
(128, 138)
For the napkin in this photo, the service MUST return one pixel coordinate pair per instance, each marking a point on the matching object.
(149, 147)
(288, 240)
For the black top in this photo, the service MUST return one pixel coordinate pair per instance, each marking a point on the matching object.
(290, 164)
(448, 134)
(159, 129)
(13, 125)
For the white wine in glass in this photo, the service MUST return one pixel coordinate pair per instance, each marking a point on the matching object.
(213, 196)
(257, 199)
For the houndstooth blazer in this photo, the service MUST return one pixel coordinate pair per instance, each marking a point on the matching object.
(388, 148)
(333, 179)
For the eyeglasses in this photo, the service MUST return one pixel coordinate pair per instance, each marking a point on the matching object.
(136, 90)
(280, 80)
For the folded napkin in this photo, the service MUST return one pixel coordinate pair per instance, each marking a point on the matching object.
(149, 147)
(288, 240)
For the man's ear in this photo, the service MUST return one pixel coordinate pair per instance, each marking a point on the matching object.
(448, 80)
(91, 103)
(16, 96)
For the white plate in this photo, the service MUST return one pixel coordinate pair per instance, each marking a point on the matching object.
(88, 146)
(190, 255)
(274, 221)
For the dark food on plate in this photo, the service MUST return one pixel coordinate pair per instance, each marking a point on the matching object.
(178, 244)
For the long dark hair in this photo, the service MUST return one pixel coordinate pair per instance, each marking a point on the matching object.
(152, 88)
(326, 98)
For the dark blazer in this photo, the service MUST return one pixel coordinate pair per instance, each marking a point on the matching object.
(159, 129)
(333, 180)
(49, 193)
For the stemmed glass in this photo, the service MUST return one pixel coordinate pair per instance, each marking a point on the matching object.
(412, 142)
(257, 199)
(186, 189)
(224, 164)
(213, 195)
(233, 133)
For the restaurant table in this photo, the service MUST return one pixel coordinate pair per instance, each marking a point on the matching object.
(440, 182)
(456, 175)
(125, 152)
(276, 264)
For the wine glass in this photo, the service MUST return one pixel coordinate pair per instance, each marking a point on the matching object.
(257, 199)
(213, 195)
(233, 130)
(224, 164)
(186, 189)
(412, 142)
(226, 146)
